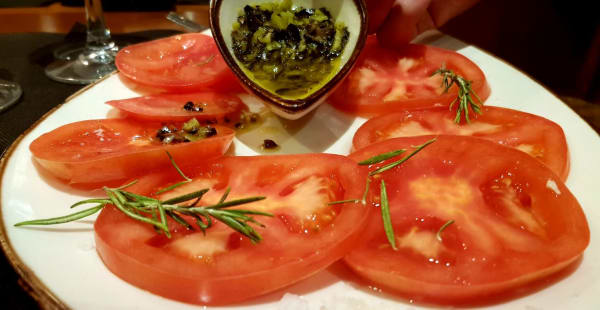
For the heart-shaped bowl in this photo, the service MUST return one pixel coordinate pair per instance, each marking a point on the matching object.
(223, 15)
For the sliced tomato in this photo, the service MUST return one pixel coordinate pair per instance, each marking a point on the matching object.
(96, 151)
(514, 221)
(204, 106)
(535, 135)
(304, 236)
(385, 80)
(180, 63)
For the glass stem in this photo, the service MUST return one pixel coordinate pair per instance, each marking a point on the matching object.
(98, 36)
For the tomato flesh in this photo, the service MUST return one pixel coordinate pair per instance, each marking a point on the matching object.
(180, 63)
(514, 222)
(96, 151)
(385, 80)
(532, 134)
(204, 106)
(304, 236)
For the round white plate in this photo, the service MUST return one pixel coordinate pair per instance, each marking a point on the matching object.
(62, 260)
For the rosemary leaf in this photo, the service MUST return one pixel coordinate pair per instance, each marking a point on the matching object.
(63, 219)
(225, 195)
(439, 233)
(88, 201)
(381, 157)
(177, 168)
(399, 162)
(339, 202)
(186, 197)
(181, 221)
(127, 185)
(385, 215)
(172, 187)
(163, 218)
(232, 203)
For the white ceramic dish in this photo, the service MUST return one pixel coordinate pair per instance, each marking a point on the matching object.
(62, 265)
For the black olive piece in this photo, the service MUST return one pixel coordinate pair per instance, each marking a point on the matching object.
(189, 106)
(269, 144)
(304, 13)
(211, 131)
(293, 33)
(255, 17)
(326, 12)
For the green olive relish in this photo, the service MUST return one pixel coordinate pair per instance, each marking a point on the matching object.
(290, 51)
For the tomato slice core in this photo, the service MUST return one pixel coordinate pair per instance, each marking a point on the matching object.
(514, 222)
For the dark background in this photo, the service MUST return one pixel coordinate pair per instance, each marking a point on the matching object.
(555, 42)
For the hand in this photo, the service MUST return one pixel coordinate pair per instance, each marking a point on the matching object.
(397, 22)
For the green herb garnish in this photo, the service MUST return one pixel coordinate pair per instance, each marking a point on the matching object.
(381, 157)
(439, 233)
(339, 202)
(387, 219)
(155, 212)
(396, 163)
(464, 98)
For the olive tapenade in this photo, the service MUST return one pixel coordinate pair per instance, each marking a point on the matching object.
(290, 51)
(190, 131)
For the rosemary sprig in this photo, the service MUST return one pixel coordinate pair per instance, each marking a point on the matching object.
(387, 219)
(464, 98)
(156, 213)
(439, 233)
(389, 166)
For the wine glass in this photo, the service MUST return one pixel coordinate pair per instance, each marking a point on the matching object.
(95, 60)
(10, 92)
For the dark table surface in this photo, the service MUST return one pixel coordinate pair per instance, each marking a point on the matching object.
(23, 57)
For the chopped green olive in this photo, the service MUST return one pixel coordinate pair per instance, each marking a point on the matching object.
(290, 51)
(190, 131)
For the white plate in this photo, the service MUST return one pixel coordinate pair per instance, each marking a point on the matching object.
(63, 258)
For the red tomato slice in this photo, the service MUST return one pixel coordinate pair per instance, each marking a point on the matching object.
(535, 135)
(96, 151)
(304, 236)
(180, 63)
(385, 80)
(514, 221)
(205, 106)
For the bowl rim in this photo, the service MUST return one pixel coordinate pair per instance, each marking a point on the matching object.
(291, 106)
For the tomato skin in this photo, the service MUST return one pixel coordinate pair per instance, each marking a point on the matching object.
(385, 81)
(181, 63)
(515, 222)
(103, 150)
(217, 107)
(240, 270)
(539, 137)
